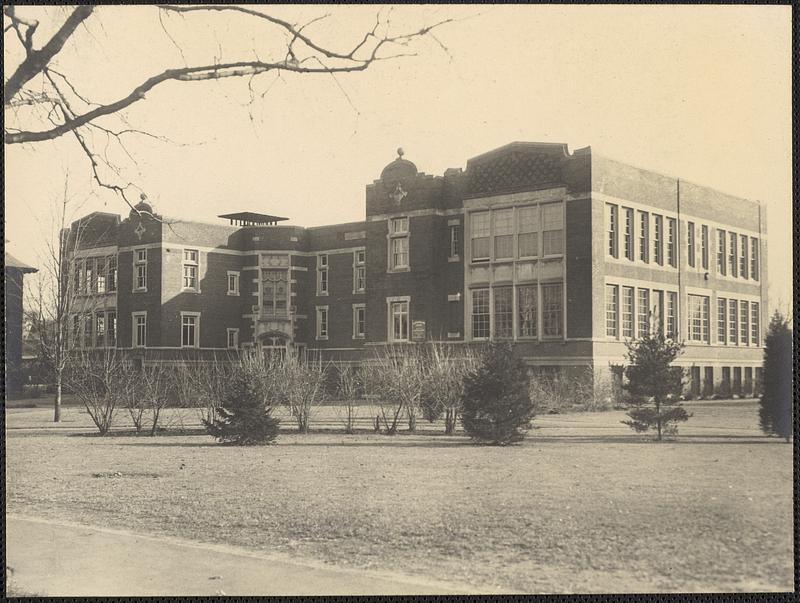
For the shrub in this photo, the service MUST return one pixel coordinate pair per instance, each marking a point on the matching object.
(775, 413)
(350, 387)
(653, 380)
(102, 382)
(497, 407)
(394, 379)
(442, 385)
(303, 387)
(560, 392)
(242, 417)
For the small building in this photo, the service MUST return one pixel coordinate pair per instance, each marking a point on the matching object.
(564, 254)
(15, 272)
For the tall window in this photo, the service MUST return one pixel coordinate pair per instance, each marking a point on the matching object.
(504, 234)
(612, 310)
(274, 292)
(658, 239)
(643, 312)
(322, 322)
(552, 228)
(628, 234)
(672, 315)
(743, 263)
(691, 250)
(503, 312)
(233, 282)
(704, 247)
(455, 241)
(88, 339)
(102, 275)
(721, 251)
(398, 313)
(111, 284)
(744, 322)
(322, 274)
(140, 269)
(528, 237)
(722, 320)
(754, 258)
(77, 280)
(733, 321)
(481, 228)
(190, 257)
(89, 281)
(644, 236)
(359, 321)
(190, 325)
(111, 329)
(480, 313)
(552, 310)
(139, 329)
(658, 310)
(755, 330)
(359, 271)
(527, 308)
(698, 318)
(233, 338)
(627, 313)
(612, 225)
(732, 253)
(100, 329)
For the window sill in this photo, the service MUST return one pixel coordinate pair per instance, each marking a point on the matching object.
(233, 294)
(398, 269)
(360, 292)
(358, 337)
(140, 290)
(190, 290)
(454, 258)
(322, 338)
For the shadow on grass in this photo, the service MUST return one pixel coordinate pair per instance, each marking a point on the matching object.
(692, 439)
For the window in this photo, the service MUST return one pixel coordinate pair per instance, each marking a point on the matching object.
(359, 321)
(89, 280)
(322, 274)
(503, 312)
(672, 315)
(722, 321)
(76, 329)
(755, 330)
(553, 229)
(233, 338)
(111, 329)
(398, 244)
(658, 310)
(88, 339)
(322, 322)
(111, 285)
(504, 234)
(528, 237)
(644, 236)
(102, 275)
(628, 233)
(455, 241)
(721, 252)
(671, 227)
(274, 292)
(658, 239)
(643, 312)
(698, 318)
(77, 280)
(754, 258)
(190, 257)
(398, 315)
(140, 270)
(743, 263)
(627, 312)
(233, 282)
(359, 271)
(552, 310)
(139, 329)
(691, 251)
(100, 330)
(732, 253)
(744, 322)
(190, 327)
(480, 314)
(704, 247)
(732, 321)
(612, 225)
(527, 307)
(612, 310)
(480, 225)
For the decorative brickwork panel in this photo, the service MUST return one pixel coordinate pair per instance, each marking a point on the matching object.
(514, 171)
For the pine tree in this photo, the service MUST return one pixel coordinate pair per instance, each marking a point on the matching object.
(497, 408)
(242, 417)
(775, 414)
(652, 378)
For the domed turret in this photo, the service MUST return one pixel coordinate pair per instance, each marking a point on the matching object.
(142, 207)
(399, 168)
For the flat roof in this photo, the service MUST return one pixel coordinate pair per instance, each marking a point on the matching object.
(249, 218)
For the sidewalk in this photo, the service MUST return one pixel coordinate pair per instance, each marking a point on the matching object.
(52, 558)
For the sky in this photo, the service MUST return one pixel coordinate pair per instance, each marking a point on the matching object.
(697, 92)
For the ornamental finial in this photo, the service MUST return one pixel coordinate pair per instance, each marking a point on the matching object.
(400, 152)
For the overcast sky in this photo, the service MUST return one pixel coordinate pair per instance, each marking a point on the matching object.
(698, 92)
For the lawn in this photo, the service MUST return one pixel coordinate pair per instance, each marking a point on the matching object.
(583, 505)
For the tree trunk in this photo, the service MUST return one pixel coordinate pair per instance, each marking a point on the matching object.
(658, 418)
(57, 400)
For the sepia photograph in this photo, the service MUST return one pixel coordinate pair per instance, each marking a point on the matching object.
(436, 299)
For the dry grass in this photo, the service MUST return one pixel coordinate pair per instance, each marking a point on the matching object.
(583, 505)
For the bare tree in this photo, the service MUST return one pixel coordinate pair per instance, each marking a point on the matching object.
(303, 385)
(39, 92)
(102, 381)
(394, 378)
(350, 388)
(443, 380)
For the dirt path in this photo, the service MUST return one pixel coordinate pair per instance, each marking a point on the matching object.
(51, 558)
